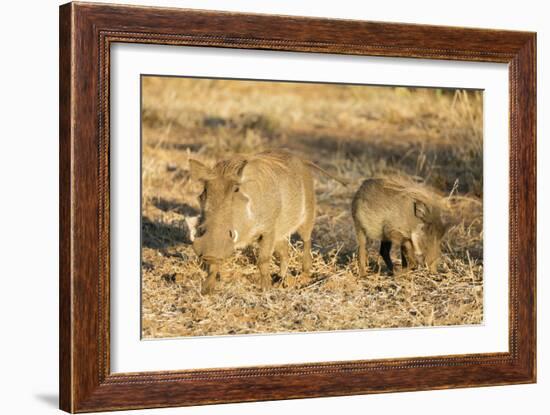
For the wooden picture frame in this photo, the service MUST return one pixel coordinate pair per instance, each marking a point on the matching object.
(86, 33)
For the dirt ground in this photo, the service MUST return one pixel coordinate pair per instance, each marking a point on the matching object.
(430, 135)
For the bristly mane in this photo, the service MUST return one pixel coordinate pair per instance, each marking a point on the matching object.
(272, 158)
(230, 167)
(420, 192)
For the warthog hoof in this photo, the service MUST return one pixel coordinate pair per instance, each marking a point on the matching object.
(289, 282)
(265, 283)
(208, 286)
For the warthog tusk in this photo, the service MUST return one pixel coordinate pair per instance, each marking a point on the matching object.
(191, 223)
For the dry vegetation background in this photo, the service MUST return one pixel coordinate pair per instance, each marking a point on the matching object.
(432, 135)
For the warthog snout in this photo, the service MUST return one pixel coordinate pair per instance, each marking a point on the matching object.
(214, 246)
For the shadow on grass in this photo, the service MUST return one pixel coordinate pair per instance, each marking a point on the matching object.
(161, 235)
(173, 206)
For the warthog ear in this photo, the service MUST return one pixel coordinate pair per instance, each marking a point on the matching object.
(241, 168)
(199, 171)
(422, 211)
(237, 175)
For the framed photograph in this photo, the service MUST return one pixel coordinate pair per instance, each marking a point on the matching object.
(258, 207)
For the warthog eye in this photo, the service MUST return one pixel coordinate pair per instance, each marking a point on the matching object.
(202, 196)
(236, 189)
(200, 231)
(233, 235)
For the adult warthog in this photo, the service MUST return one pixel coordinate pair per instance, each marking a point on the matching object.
(262, 198)
(401, 212)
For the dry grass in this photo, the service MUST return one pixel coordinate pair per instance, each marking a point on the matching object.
(431, 135)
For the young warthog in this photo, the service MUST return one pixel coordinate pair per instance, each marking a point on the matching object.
(396, 211)
(262, 198)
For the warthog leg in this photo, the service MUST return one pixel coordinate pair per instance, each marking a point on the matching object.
(407, 255)
(281, 249)
(306, 260)
(305, 233)
(385, 249)
(362, 253)
(397, 237)
(265, 253)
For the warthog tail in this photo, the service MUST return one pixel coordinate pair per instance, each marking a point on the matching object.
(341, 180)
